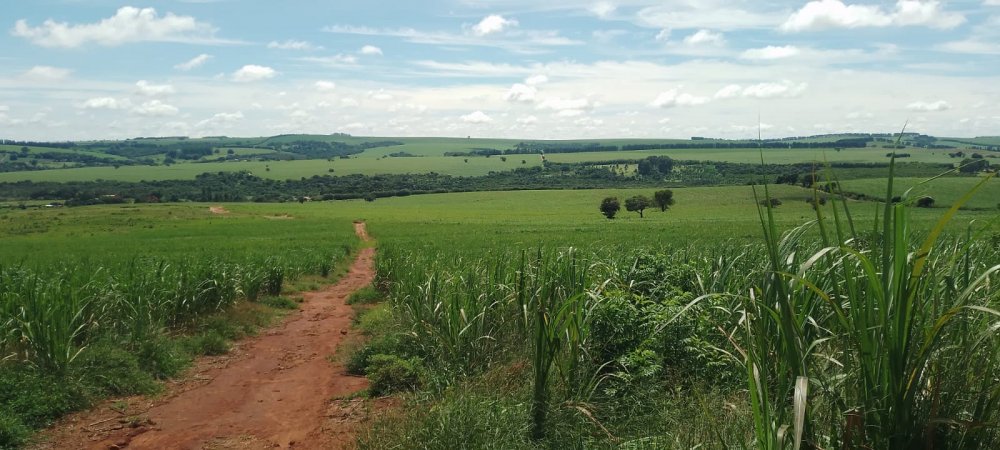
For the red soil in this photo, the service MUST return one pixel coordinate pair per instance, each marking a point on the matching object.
(278, 390)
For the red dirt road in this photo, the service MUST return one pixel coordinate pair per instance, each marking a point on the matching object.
(280, 394)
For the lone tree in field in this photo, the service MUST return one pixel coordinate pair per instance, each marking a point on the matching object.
(637, 204)
(664, 199)
(610, 207)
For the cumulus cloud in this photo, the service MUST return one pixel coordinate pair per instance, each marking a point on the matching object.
(155, 108)
(129, 24)
(192, 63)
(771, 90)
(535, 80)
(46, 73)
(770, 52)
(602, 9)
(253, 72)
(325, 86)
(493, 23)
(663, 35)
(939, 105)
(673, 97)
(521, 93)
(705, 37)
(370, 50)
(477, 117)
(222, 118)
(782, 89)
(104, 103)
(293, 45)
(380, 95)
(826, 14)
(566, 107)
(144, 87)
(527, 120)
(730, 91)
(337, 60)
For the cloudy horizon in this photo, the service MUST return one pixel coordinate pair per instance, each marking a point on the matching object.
(562, 69)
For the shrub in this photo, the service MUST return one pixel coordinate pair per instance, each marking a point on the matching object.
(925, 202)
(13, 432)
(772, 202)
(108, 369)
(365, 295)
(390, 373)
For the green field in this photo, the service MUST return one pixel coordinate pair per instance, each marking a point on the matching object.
(427, 157)
(945, 191)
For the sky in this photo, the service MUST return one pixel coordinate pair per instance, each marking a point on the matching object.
(538, 69)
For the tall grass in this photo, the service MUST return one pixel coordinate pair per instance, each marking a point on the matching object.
(878, 340)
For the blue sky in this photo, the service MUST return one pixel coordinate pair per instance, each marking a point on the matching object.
(75, 69)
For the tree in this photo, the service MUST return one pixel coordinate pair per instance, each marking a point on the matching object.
(973, 165)
(637, 204)
(664, 199)
(610, 207)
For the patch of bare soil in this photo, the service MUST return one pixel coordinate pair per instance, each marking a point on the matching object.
(218, 210)
(277, 390)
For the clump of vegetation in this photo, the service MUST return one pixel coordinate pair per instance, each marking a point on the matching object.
(610, 207)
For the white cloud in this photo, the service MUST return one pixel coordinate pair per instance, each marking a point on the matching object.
(567, 104)
(672, 98)
(144, 87)
(293, 45)
(192, 63)
(825, 14)
(129, 24)
(718, 15)
(253, 72)
(337, 60)
(527, 120)
(380, 95)
(104, 103)
(4, 108)
(859, 115)
(939, 105)
(535, 80)
(477, 117)
(705, 37)
(370, 50)
(663, 35)
(493, 23)
(771, 90)
(46, 73)
(730, 91)
(602, 9)
(521, 93)
(991, 2)
(325, 86)
(222, 118)
(770, 52)
(971, 46)
(155, 108)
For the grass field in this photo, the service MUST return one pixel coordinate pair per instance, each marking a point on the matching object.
(945, 191)
(429, 157)
(470, 367)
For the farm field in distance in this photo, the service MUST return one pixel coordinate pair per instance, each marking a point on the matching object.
(496, 306)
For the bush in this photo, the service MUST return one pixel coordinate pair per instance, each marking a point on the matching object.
(107, 369)
(162, 358)
(365, 295)
(13, 432)
(925, 202)
(390, 373)
(772, 202)
(209, 343)
(280, 302)
(37, 398)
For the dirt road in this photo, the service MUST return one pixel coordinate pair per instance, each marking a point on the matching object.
(280, 393)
